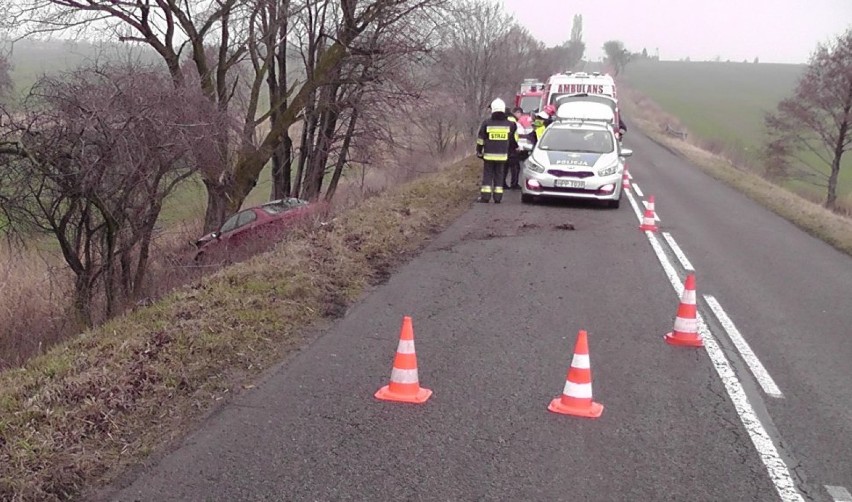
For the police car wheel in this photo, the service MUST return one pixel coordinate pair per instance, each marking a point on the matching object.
(614, 204)
(527, 198)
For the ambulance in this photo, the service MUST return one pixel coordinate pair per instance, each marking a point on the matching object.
(564, 84)
(576, 94)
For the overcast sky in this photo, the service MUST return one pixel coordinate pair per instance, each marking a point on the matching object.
(776, 31)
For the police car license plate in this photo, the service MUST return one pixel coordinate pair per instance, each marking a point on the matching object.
(570, 183)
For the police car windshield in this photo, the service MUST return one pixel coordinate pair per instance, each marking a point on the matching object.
(577, 140)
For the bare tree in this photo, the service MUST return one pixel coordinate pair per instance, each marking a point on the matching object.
(90, 160)
(574, 48)
(439, 120)
(236, 29)
(352, 109)
(813, 126)
(617, 56)
(485, 55)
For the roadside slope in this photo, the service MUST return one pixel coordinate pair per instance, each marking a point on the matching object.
(80, 414)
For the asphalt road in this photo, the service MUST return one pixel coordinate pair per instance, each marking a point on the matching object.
(787, 292)
(497, 301)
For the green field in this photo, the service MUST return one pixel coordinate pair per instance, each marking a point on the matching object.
(31, 59)
(725, 102)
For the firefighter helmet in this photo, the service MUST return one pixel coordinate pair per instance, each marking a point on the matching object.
(498, 106)
(550, 110)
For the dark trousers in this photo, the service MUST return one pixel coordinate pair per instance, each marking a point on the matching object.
(492, 181)
(513, 167)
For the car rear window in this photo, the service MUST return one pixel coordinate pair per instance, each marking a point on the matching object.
(283, 205)
(530, 103)
(577, 140)
(274, 208)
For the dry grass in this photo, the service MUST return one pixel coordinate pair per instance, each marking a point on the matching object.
(80, 414)
(34, 304)
(833, 228)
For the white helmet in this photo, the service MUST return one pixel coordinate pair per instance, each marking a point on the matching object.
(542, 115)
(498, 106)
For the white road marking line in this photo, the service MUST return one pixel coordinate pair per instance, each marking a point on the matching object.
(679, 254)
(629, 175)
(633, 203)
(775, 465)
(754, 364)
(839, 494)
(656, 216)
(637, 190)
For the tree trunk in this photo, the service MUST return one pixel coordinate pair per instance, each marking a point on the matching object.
(142, 261)
(282, 170)
(126, 265)
(325, 141)
(282, 159)
(831, 194)
(277, 161)
(83, 298)
(107, 258)
(219, 206)
(287, 168)
(341, 159)
(109, 282)
(305, 148)
(831, 197)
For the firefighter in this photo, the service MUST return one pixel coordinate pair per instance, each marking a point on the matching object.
(513, 166)
(495, 140)
(542, 120)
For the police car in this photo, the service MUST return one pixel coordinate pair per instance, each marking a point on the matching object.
(575, 158)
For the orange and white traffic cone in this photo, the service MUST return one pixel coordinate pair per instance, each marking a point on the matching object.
(649, 218)
(625, 179)
(576, 398)
(404, 383)
(685, 332)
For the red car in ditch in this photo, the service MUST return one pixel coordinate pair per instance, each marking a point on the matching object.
(256, 225)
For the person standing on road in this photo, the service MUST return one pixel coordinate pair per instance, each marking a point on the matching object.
(513, 166)
(495, 140)
(542, 120)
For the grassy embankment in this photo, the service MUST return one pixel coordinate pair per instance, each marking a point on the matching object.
(660, 93)
(81, 413)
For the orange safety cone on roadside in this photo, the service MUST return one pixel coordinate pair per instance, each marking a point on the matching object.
(685, 332)
(404, 383)
(625, 179)
(576, 398)
(649, 218)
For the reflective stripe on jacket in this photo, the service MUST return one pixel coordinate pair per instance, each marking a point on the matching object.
(497, 137)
